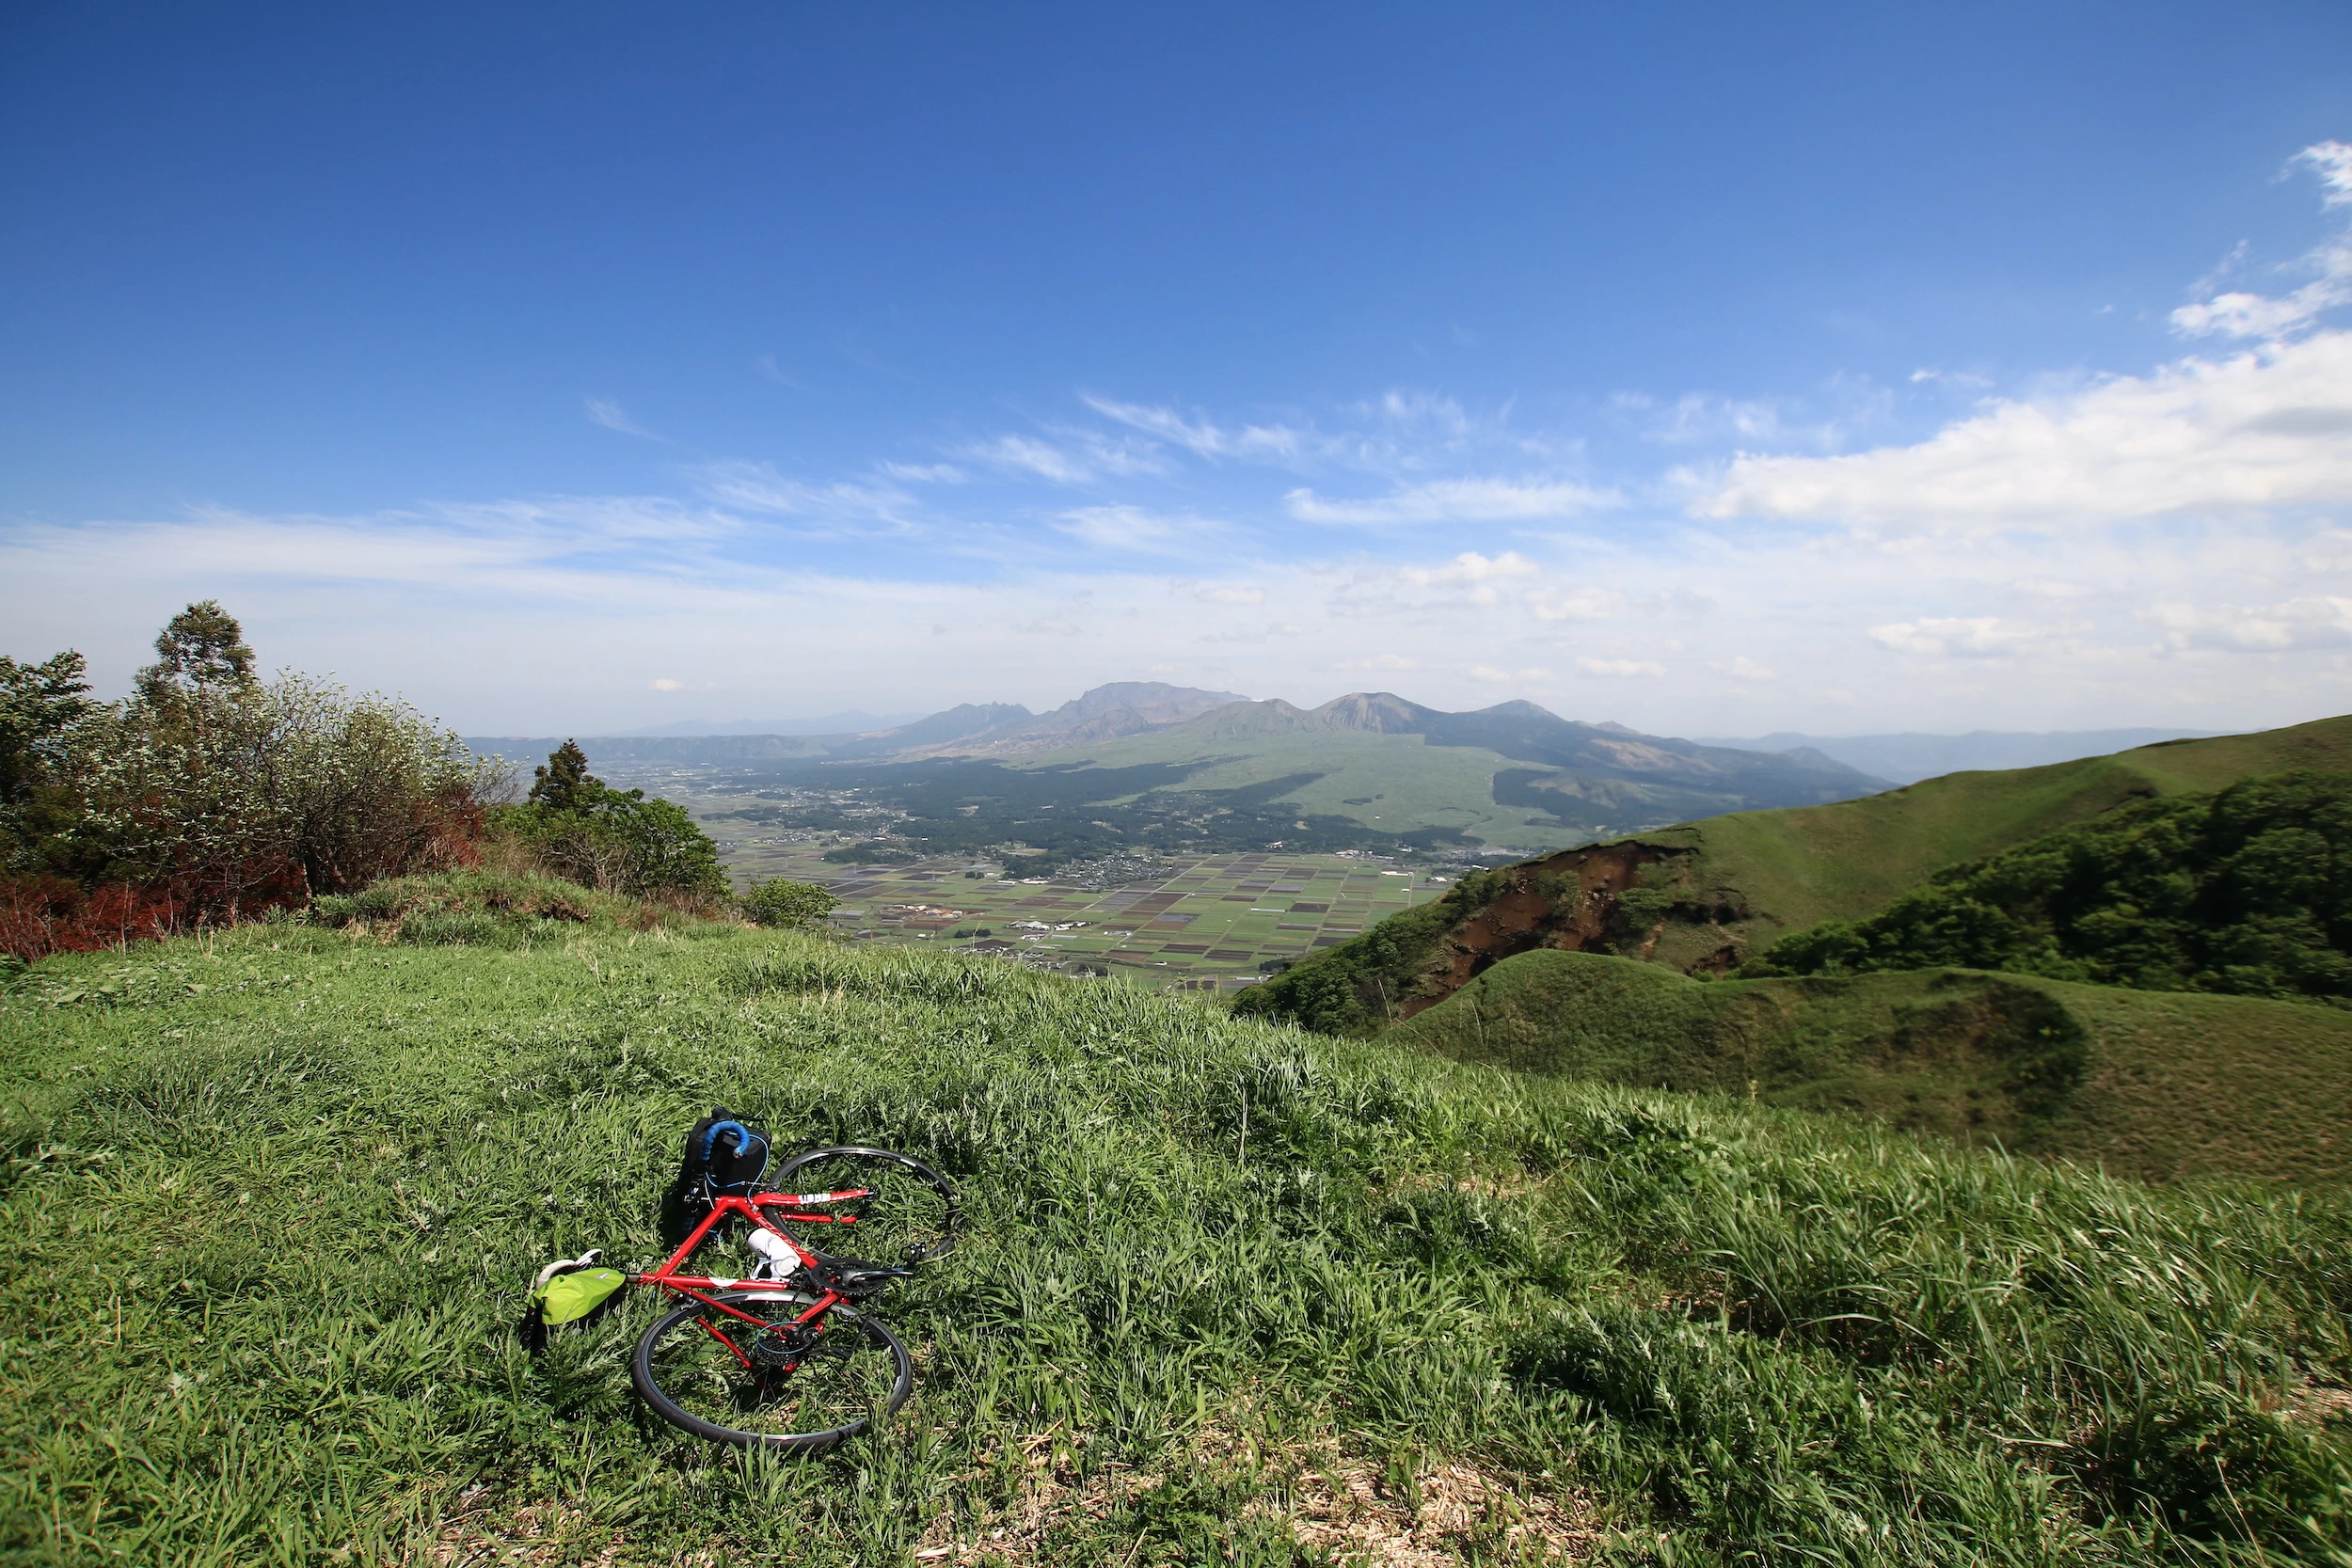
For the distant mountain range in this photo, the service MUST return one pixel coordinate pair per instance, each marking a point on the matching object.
(1364, 766)
(971, 729)
(1908, 758)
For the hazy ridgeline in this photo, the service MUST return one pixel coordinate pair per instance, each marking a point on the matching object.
(275, 1197)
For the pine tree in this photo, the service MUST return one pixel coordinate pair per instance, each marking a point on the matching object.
(203, 653)
(564, 784)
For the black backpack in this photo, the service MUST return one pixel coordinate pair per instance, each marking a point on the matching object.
(724, 1155)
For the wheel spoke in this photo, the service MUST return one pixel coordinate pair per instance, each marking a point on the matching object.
(910, 1213)
(788, 1383)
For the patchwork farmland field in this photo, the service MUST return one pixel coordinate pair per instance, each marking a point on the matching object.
(1204, 925)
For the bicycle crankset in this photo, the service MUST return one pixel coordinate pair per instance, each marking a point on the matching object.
(783, 1346)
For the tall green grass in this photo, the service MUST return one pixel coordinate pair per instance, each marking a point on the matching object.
(272, 1201)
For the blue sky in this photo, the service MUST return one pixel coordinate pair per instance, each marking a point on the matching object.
(1711, 368)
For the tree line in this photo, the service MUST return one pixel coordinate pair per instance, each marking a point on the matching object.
(210, 795)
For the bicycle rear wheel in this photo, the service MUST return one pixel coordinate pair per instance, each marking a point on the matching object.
(778, 1385)
(910, 1215)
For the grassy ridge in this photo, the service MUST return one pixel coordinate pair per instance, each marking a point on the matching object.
(1793, 868)
(272, 1200)
(2159, 1085)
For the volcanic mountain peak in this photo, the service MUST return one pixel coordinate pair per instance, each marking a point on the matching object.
(1154, 701)
(1382, 712)
(1104, 713)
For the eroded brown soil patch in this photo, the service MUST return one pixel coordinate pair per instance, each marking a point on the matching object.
(1568, 901)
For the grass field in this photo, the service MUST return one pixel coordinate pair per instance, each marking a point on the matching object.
(1234, 1294)
(2157, 1085)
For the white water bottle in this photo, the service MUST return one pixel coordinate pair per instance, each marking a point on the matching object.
(777, 1258)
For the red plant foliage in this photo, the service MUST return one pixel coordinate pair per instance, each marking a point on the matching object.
(44, 915)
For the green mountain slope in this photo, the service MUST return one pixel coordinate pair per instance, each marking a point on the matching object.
(1706, 895)
(1511, 774)
(2158, 1085)
(1793, 868)
(2243, 892)
(1233, 1294)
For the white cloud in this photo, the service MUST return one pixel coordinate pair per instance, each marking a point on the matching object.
(2315, 620)
(2049, 588)
(1742, 668)
(572, 599)
(1383, 662)
(1471, 567)
(1200, 437)
(613, 416)
(1081, 456)
(666, 684)
(825, 509)
(925, 473)
(2265, 428)
(1133, 528)
(1493, 677)
(1454, 501)
(1596, 602)
(1230, 595)
(1024, 454)
(1958, 637)
(2242, 314)
(1468, 579)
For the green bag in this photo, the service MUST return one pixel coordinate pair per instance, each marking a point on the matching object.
(565, 1291)
(568, 1296)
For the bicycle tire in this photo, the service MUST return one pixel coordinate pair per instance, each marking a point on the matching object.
(923, 1226)
(706, 1378)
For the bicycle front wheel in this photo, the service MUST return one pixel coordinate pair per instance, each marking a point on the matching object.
(775, 1384)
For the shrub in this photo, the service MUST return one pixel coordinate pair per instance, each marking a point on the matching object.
(615, 840)
(779, 902)
(210, 795)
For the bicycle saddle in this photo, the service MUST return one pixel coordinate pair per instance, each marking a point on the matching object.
(854, 1276)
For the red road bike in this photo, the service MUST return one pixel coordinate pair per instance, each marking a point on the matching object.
(784, 1358)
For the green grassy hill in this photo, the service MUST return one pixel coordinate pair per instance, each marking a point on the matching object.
(2158, 1085)
(1707, 895)
(1234, 1294)
(1789, 870)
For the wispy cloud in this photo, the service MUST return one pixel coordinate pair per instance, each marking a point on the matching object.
(2240, 314)
(1960, 637)
(613, 416)
(1073, 457)
(1199, 436)
(835, 510)
(1133, 528)
(1590, 601)
(1454, 501)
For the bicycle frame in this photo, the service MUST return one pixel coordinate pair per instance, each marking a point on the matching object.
(755, 1209)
